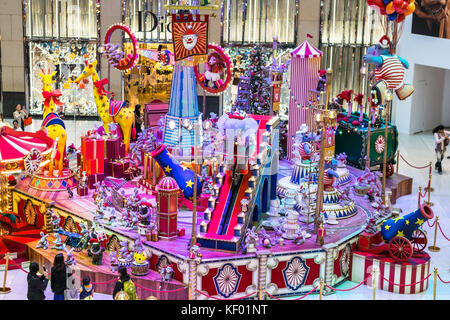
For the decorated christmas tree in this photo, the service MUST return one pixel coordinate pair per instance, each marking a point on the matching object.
(259, 102)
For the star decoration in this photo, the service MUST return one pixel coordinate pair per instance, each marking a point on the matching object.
(398, 218)
(400, 234)
(407, 222)
(419, 221)
(387, 227)
(189, 183)
(167, 169)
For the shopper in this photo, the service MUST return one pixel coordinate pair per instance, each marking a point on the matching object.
(59, 277)
(87, 289)
(124, 283)
(16, 125)
(36, 284)
(20, 114)
(139, 119)
(441, 140)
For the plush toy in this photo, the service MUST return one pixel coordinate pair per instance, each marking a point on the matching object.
(389, 70)
(322, 80)
(347, 95)
(43, 242)
(214, 68)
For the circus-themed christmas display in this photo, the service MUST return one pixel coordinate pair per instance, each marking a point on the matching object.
(277, 188)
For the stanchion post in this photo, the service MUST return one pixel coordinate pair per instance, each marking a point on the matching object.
(398, 160)
(260, 292)
(5, 289)
(189, 291)
(374, 282)
(418, 197)
(435, 248)
(321, 289)
(429, 187)
(435, 283)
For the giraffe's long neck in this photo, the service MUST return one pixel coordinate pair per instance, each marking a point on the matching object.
(101, 100)
(48, 107)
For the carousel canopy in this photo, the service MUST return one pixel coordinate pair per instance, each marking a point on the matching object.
(17, 144)
(306, 50)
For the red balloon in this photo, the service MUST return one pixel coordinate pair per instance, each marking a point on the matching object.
(378, 5)
(400, 18)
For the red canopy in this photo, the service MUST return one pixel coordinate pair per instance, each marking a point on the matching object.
(17, 144)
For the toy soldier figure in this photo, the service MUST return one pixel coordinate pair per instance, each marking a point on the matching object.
(321, 234)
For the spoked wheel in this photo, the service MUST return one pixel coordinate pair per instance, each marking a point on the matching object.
(419, 240)
(389, 169)
(400, 249)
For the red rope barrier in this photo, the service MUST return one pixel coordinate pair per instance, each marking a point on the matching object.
(20, 267)
(406, 285)
(439, 225)
(431, 225)
(161, 291)
(305, 295)
(225, 299)
(350, 289)
(415, 167)
(446, 282)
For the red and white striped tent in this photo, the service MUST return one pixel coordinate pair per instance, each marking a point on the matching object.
(15, 145)
(305, 64)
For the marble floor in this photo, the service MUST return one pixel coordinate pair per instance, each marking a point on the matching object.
(417, 149)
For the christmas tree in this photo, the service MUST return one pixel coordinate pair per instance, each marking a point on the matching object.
(259, 102)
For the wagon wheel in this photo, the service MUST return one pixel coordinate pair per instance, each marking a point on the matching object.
(419, 240)
(400, 249)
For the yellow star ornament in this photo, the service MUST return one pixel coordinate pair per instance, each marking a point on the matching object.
(387, 227)
(400, 234)
(419, 221)
(167, 169)
(189, 183)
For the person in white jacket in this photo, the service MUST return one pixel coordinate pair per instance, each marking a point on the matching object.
(441, 140)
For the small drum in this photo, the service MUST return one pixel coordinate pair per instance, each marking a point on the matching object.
(378, 93)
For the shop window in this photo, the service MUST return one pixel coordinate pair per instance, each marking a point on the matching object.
(347, 29)
(60, 36)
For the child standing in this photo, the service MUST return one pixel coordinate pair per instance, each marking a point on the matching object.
(441, 140)
(87, 289)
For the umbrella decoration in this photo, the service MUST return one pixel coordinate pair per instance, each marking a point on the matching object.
(16, 145)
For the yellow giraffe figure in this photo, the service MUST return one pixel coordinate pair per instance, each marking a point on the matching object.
(53, 124)
(109, 110)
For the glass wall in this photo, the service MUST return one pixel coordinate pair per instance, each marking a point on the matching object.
(60, 36)
(348, 28)
(258, 21)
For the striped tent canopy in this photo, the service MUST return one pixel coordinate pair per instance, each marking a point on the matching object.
(17, 144)
(306, 50)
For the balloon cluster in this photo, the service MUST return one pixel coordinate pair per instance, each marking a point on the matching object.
(396, 10)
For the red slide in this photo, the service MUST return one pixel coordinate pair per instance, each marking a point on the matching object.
(237, 207)
(216, 215)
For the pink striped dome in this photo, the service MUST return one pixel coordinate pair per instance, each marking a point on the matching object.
(167, 184)
(306, 50)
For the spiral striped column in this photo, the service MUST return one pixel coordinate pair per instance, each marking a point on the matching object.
(193, 279)
(329, 270)
(262, 273)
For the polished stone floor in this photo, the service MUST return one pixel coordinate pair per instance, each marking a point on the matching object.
(417, 149)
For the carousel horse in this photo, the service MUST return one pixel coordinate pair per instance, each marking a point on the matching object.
(53, 124)
(109, 110)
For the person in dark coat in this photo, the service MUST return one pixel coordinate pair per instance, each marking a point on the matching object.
(123, 276)
(36, 284)
(58, 279)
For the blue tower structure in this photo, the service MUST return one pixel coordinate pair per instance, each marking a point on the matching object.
(183, 105)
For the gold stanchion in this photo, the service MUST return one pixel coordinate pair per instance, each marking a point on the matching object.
(5, 289)
(189, 291)
(429, 187)
(398, 160)
(435, 283)
(374, 282)
(418, 197)
(435, 248)
(260, 293)
(321, 289)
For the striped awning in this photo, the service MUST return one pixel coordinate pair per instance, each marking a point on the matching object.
(17, 144)
(306, 50)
